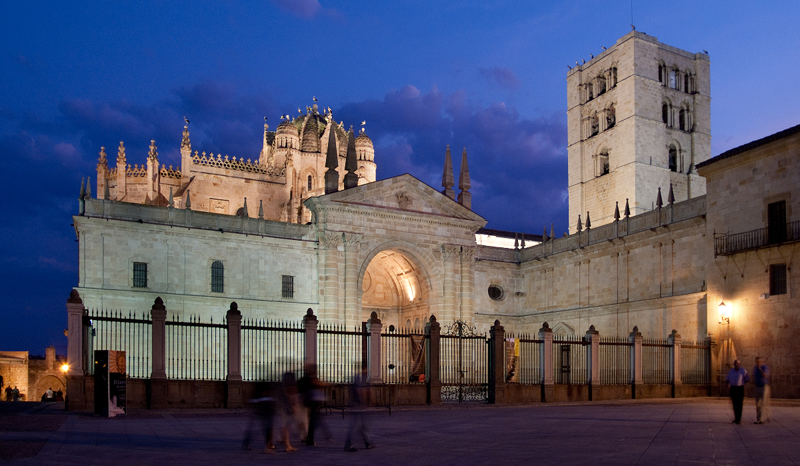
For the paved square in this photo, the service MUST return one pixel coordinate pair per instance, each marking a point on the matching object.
(687, 431)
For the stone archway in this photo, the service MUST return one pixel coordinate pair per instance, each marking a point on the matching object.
(47, 381)
(397, 287)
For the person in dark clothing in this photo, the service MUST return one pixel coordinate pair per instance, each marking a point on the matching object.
(736, 378)
(312, 394)
(359, 422)
(263, 410)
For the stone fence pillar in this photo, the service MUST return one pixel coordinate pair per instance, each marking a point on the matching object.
(593, 363)
(546, 362)
(497, 367)
(432, 381)
(310, 324)
(234, 378)
(636, 361)
(374, 356)
(76, 353)
(712, 364)
(158, 375)
(675, 363)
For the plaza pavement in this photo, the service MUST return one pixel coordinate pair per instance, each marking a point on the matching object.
(683, 431)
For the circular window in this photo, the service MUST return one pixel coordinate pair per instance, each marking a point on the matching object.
(495, 292)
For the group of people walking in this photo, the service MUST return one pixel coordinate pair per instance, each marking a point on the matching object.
(738, 377)
(294, 408)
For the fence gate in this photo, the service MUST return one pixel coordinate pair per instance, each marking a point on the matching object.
(464, 363)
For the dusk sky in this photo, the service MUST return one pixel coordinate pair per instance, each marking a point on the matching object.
(489, 76)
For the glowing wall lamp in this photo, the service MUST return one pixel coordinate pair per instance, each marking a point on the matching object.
(724, 313)
(65, 368)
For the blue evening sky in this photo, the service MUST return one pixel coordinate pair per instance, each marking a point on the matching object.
(489, 76)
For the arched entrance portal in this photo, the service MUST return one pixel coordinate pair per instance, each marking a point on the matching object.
(396, 287)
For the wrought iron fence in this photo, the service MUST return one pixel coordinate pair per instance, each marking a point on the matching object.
(341, 353)
(740, 242)
(523, 363)
(695, 364)
(655, 361)
(402, 355)
(271, 348)
(112, 330)
(569, 360)
(463, 363)
(196, 350)
(615, 360)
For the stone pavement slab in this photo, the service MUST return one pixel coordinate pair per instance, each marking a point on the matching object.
(674, 432)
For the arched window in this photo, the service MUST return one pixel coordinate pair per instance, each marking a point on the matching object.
(416, 324)
(665, 113)
(601, 85)
(686, 87)
(673, 79)
(595, 125)
(673, 158)
(217, 277)
(602, 162)
(310, 183)
(613, 77)
(682, 119)
(590, 92)
(611, 116)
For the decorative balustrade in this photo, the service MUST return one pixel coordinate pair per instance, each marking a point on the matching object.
(236, 164)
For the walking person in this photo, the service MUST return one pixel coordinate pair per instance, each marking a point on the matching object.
(15, 393)
(359, 422)
(736, 378)
(9, 393)
(761, 374)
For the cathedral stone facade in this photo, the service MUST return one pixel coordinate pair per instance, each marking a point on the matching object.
(309, 238)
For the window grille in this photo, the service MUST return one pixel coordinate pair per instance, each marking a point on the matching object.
(287, 287)
(139, 275)
(217, 277)
(777, 279)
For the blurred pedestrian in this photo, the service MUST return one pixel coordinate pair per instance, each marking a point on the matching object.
(15, 393)
(9, 393)
(761, 379)
(736, 378)
(287, 406)
(359, 421)
(263, 414)
(59, 395)
(312, 394)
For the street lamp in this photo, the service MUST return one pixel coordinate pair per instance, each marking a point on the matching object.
(64, 368)
(724, 313)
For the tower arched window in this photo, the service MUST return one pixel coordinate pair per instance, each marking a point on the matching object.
(217, 277)
(611, 117)
(673, 79)
(686, 87)
(310, 183)
(673, 158)
(602, 163)
(595, 125)
(682, 119)
(665, 113)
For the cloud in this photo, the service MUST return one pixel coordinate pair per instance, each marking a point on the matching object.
(518, 166)
(503, 77)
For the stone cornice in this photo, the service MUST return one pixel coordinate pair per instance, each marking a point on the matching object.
(365, 210)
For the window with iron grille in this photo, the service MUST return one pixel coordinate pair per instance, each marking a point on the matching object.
(777, 279)
(140, 275)
(217, 277)
(287, 287)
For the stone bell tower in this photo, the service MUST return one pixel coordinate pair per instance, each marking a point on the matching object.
(638, 120)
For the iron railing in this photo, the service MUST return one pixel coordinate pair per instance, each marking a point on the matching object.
(196, 350)
(112, 330)
(695, 364)
(463, 363)
(655, 361)
(615, 360)
(725, 245)
(569, 360)
(523, 363)
(271, 348)
(341, 353)
(402, 355)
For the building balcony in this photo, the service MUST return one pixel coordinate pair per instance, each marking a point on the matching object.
(725, 245)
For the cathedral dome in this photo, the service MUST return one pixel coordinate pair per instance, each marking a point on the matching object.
(286, 135)
(364, 148)
(287, 127)
(363, 141)
(309, 140)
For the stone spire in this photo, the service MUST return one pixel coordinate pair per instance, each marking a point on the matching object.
(544, 235)
(245, 213)
(588, 221)
(260, 209)
(88, 188)
(102, 173)
(171, 199)
(121, 160)
(659, 202)
(332, 163)
(188, 200)
(580, 225)
(671, 196)
(83, 189)
(627, 209)
(122, 173)
(447, 177)
(464, 197)
(153, 154)
(350, 164)
(616, 212)
(102, 162)
(552, 231)
(266, 149)
(185, 142)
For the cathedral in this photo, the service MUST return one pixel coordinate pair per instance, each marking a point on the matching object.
(653, 226)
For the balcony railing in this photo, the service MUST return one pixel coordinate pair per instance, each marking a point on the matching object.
(725, 245)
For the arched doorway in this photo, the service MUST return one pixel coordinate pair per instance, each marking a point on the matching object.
(48, 381)
(396, 287)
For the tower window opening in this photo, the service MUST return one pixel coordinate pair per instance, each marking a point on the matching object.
(595, 126)
(682, 120)
(611, 117)
(601, 86)
(665, 113)
(673, 158)
(686, 88)
(603, 165)
(310, 183)
(673, 79)
(590, 92)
